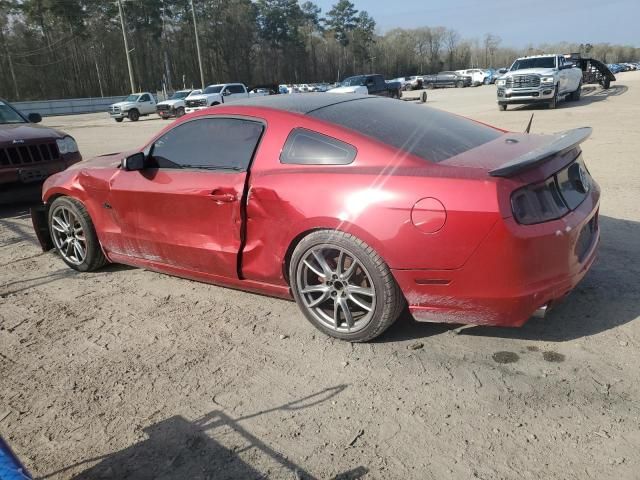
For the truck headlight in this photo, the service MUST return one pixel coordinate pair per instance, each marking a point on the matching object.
(501, 83)
(547, 79)
(66, 145)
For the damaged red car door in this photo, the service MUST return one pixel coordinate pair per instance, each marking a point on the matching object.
(185, 207)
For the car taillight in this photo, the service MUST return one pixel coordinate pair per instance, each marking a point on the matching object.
(538, 203)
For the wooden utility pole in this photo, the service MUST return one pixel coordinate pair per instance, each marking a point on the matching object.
(126, 48)
(195, 29)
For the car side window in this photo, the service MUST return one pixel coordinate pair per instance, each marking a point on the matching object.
(306, 147)
(236, 89)
(209, 144)
(145, 98)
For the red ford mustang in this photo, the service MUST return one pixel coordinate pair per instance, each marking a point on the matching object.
(356, 206)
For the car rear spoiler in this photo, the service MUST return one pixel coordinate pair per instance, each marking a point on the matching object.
(558, 144)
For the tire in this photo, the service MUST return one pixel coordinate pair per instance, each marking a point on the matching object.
(459, 84)
(81, 232)
(575, 96)
(606, 83)
(423, 97)
(486, 81)
(133, 115)
(553, 104)
(119, 120)
(502, 107)
(180, 112)
(215, 103)
(349, 265)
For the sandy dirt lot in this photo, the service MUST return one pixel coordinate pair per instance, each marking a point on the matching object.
(125, 373)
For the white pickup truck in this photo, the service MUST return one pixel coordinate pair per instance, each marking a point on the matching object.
(215, 95)
(174, 106)
(133, 107)
(539, 79)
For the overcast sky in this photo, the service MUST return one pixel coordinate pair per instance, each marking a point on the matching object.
(517, 22)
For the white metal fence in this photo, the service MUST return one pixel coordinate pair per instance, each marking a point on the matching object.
(67, 106)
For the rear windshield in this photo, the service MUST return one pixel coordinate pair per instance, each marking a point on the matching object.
(430, 134)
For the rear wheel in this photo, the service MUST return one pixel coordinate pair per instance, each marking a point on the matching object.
(486, 81)
(575, 96)
(119, 120)
(180, 112)
(134, 115)
(74, 235)
(606, 83)
(459, 84)
(343, 287)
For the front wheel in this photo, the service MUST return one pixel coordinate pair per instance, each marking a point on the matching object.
(553, 104)
(180, 112)
(74, 235)
(119, 120)
(459, 84)
(343, 287)
(575, 96)
(486, 81)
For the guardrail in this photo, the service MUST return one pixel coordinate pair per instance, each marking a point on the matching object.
(67, 106)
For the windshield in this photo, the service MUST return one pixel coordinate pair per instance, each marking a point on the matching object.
(353, 81)
(179, 95)
(9, 115)
(132, 98)
(538, 62)
(213, 89)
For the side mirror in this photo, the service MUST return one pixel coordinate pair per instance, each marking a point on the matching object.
(133, 162)
(568, 65)
(226, 92)
(34, 118)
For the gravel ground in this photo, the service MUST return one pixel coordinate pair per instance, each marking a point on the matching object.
(126, 373)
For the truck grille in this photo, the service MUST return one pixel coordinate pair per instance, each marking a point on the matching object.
(115, 109)
(197, 103)
(523, 81)
(26, 154)
(163, 108)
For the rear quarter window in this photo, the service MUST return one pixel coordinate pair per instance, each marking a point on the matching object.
(306, 147)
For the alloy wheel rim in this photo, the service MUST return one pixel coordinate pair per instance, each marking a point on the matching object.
(336, 288)
(68, 235)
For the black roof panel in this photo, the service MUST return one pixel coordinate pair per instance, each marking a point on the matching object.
(300, 102)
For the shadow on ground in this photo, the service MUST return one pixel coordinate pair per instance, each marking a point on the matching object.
(609, 296)
(177, 449)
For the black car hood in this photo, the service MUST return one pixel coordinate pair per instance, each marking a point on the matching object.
(27, 132)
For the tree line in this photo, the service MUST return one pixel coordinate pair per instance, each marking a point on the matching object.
(74, 48)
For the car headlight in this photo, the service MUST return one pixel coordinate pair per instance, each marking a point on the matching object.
(501, 83)
(67, 145)
(547, 79)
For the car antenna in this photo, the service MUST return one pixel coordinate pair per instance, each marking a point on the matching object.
(529, 125)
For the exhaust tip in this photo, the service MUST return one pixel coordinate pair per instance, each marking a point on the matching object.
(541, 312)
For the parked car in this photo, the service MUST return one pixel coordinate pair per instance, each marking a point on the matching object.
(371, 84)
(259, 92)
(29, 152)
(215, 95)
(478, 76)
(340, 202)
(539, 79)
(175, 106)
(133, 107)
(446, 79)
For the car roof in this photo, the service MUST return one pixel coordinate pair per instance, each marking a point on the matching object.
(303, 103)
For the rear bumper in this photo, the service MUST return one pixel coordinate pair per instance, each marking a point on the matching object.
(515, 271)
(36, 172)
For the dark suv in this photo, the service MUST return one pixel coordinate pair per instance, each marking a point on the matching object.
(28, 152)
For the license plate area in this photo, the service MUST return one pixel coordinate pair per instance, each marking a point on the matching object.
(586, 238)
